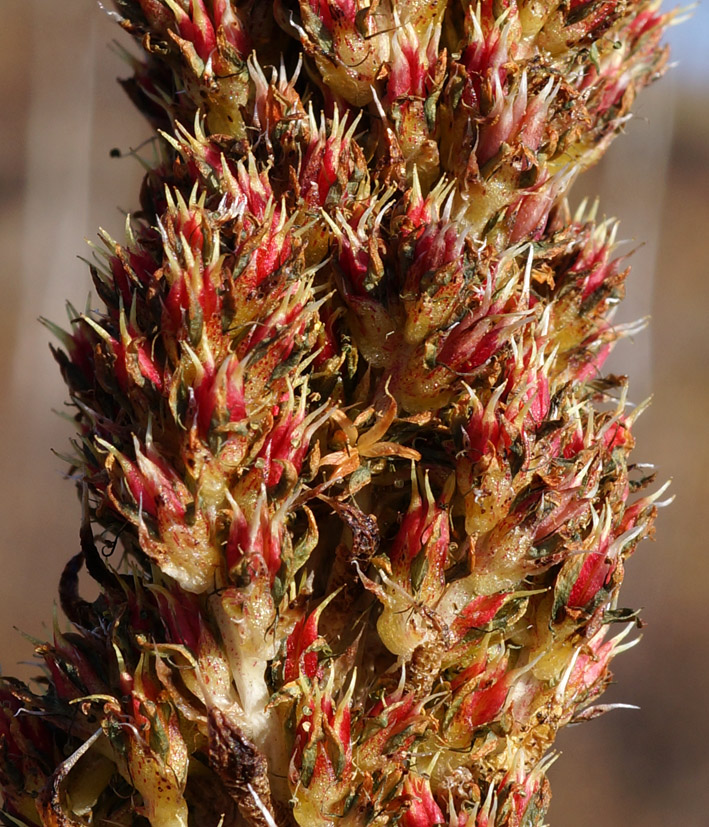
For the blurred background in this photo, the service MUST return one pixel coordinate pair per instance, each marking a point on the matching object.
(62, 113)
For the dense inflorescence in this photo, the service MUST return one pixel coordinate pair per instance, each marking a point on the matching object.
(356, 494)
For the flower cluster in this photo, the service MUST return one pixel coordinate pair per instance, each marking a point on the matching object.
(355, 491)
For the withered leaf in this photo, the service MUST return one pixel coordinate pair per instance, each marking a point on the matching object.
(239, 766)
(364, 528)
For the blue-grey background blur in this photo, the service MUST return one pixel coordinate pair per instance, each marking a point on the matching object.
(60, 114)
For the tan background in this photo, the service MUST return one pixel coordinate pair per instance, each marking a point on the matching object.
(61, 114)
